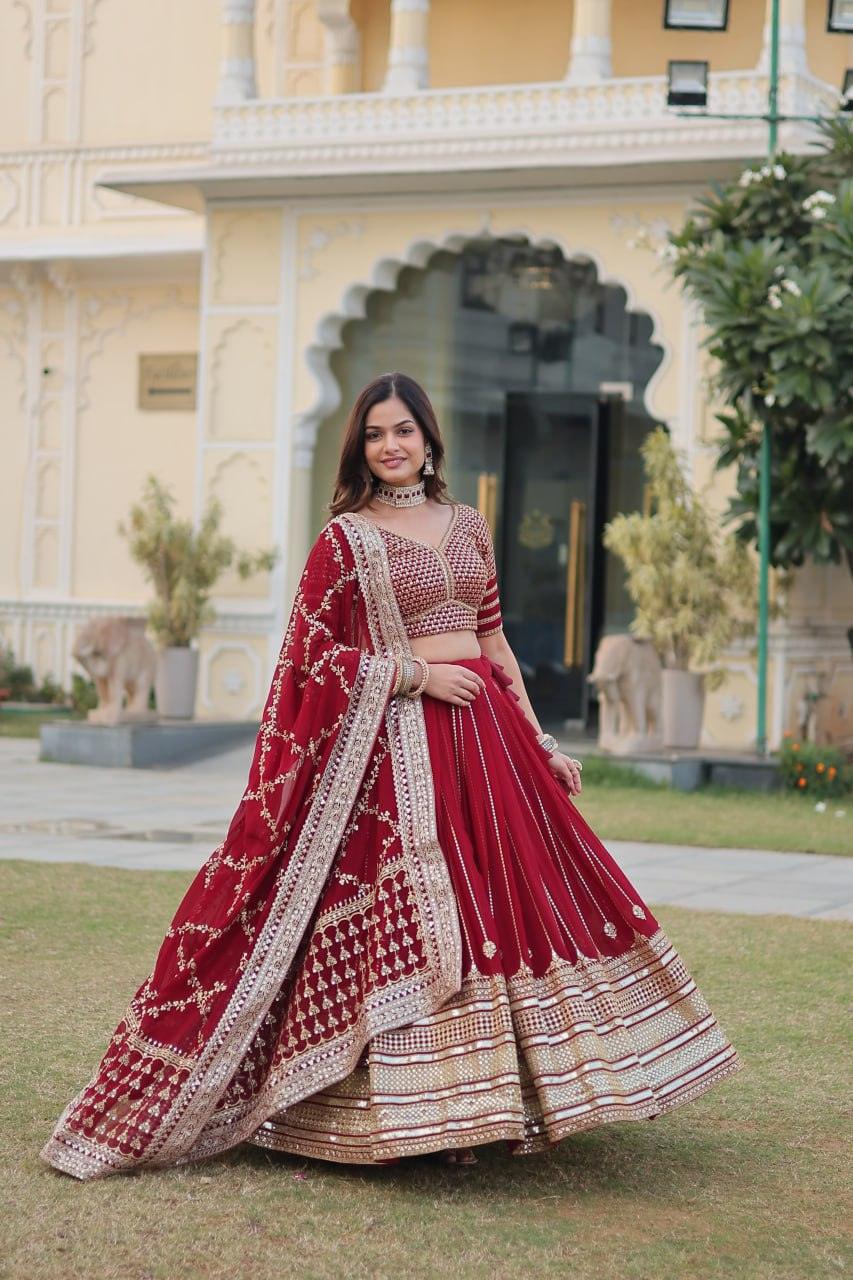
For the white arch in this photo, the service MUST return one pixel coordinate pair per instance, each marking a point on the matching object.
(384, 276)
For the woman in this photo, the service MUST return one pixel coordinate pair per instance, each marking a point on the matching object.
(410, 941)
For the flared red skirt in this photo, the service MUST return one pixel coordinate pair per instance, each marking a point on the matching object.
(575, 1010)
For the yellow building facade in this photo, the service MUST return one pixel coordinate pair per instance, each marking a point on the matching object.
(304, 193)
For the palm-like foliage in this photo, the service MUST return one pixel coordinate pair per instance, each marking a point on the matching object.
(769, 259)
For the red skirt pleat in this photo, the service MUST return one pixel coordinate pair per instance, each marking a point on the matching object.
(532, 879)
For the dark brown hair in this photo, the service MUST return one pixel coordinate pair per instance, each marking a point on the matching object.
(355, 481)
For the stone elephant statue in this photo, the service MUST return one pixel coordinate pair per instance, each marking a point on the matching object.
(122, 663)
(627, 677)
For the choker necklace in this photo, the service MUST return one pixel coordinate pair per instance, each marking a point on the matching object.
(400, 495)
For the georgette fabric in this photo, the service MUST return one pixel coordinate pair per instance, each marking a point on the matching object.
(409, 938)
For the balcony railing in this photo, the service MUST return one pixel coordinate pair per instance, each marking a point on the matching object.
(519, 125)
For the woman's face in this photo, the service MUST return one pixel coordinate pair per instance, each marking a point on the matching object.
(394, 444)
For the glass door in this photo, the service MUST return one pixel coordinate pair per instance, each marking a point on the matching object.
(546, 542)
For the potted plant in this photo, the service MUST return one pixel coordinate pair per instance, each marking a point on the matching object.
(693, 590)
(183, 563)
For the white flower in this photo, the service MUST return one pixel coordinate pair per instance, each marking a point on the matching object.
(779, 172)
(770, 400)
(818, 213)
(820, 807)
(747, 178)
(792, 288)
(774, 297)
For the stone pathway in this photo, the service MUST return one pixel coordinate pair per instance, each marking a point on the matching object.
(171, 819)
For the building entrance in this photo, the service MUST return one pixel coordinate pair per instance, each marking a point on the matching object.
(537, 372)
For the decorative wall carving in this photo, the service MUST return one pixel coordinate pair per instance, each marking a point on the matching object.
(108, 312)
(242, 372)
(246, 256)
(320, 239)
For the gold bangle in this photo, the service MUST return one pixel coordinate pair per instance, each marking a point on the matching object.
(416, 690)
(408, 673)
(398, 677)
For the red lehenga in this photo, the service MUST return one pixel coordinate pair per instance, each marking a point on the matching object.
(409, 938)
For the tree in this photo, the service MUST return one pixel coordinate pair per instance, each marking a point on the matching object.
(693, 590)
(183, 563)
(769, 259)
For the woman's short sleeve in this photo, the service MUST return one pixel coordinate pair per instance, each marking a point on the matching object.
(489, 620)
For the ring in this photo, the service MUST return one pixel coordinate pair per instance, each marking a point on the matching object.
(577, 763)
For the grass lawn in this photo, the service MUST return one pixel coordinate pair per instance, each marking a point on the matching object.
(621, 805)
(746, 1183)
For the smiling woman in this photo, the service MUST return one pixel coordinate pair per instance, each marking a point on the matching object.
(410, 939)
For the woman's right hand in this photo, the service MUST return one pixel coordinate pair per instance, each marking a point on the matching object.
(453, 684)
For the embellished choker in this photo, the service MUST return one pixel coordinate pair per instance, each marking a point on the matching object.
(400, 495)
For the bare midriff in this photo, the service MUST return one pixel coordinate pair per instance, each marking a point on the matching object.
(450, 646)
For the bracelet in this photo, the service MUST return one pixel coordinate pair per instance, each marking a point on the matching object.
(407, 675)
(417, 690)
(548, 742)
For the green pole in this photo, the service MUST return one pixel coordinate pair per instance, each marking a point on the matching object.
(766, 443)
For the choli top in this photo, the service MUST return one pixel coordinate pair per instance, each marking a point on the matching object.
(449, 587)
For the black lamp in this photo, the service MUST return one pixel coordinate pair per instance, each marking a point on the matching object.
(696, 15)
(687, 84)
(840, 17)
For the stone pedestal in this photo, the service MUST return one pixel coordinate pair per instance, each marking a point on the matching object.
(141, 746)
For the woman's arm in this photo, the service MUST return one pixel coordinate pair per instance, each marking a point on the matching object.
(565, 769)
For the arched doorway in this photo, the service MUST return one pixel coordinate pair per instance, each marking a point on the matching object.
(537, 371)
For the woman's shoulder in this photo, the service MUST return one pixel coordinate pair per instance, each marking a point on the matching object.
(473, 520)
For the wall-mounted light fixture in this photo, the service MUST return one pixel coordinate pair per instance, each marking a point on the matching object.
(687, 84)
(696, 15)
(840, 16)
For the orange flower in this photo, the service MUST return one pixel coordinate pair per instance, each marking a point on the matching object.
(799, 766)
(795, 746)
(832, 771)
(820, 766)
(787, 734)
(801, 782)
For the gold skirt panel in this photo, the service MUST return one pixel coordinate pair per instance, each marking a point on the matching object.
(524, 1058)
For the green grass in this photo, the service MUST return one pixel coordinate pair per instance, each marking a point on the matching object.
(621, 804)
(746, 1183)
(716, 816)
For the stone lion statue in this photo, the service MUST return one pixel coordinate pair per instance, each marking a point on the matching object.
(116, 654)
(627, 678)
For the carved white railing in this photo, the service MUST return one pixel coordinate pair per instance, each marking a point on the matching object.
(504, 121)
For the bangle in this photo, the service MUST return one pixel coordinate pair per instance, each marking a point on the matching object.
(416, 690)
(407, 672)
(548, 742)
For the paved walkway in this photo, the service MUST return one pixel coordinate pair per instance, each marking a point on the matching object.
(170, 819)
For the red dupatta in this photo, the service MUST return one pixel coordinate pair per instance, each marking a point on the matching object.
(325, 917)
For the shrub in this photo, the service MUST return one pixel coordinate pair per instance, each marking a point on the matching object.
(819, 772)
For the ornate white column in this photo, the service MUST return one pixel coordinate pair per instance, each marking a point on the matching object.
(408, 57)
(237, 57)
(590, 55)
(342, 46)
(792, 38)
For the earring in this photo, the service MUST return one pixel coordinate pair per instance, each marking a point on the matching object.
(429, 469)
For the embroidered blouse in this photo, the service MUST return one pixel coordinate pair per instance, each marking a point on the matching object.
(449, 587)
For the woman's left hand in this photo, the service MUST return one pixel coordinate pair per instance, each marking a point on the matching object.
(567, 772)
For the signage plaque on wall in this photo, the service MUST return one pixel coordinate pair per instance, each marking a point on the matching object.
(168, 380)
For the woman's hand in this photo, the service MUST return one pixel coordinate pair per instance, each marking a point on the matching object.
(566, 771)
(453, 684)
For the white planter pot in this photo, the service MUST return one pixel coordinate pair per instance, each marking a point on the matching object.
(683, 705)
(175, 683)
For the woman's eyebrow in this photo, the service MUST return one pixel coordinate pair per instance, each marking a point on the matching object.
(374, 426)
